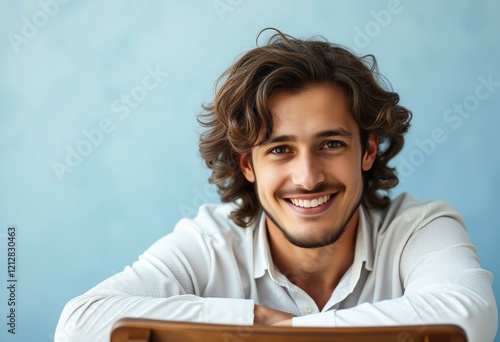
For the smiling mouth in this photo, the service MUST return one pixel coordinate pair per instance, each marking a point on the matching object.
(310, 203)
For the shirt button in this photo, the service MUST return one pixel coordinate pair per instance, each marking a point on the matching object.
(308, 309)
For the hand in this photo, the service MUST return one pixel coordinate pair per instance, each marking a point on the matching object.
(267, 316)
(285, 323)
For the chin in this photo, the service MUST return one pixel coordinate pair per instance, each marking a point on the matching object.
(310, 242)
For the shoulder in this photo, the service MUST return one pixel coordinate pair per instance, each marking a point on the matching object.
(411, 228)
(210, 232)
(212, 220)
(409, 214)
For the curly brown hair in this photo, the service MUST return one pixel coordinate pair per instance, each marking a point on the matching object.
(239, 113)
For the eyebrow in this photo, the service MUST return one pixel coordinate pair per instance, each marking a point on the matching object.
(323, 134)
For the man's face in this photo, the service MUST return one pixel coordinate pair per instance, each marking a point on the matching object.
(308, 174)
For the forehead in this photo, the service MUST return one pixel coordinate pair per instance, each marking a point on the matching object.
(315, 108)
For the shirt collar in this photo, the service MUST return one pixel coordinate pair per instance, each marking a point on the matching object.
(364, 240)
(363, 257)
(262, 253)
(363, 252)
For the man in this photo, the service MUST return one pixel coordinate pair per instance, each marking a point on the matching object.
(298, 139)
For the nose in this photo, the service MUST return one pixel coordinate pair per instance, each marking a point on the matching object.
(307, 171)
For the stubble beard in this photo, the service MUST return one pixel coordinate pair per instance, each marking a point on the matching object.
(333, 235)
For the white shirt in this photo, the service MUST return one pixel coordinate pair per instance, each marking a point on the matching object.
(413, 265)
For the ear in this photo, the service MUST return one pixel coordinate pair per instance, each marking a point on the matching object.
(246, 167)
(371, 152)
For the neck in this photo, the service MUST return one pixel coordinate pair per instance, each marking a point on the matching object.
(317, 271)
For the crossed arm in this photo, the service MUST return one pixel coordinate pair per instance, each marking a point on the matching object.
(164, 285)
(267, 316)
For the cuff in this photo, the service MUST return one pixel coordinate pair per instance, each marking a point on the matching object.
(229, 311)
(322, 319)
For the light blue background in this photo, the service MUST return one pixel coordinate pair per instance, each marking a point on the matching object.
(146, 174)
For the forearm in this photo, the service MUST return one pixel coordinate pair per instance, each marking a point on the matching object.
(91, 317)
(177, 278)
(267, 316)
(476, 315)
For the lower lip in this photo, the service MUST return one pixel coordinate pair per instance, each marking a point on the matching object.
(312, 211)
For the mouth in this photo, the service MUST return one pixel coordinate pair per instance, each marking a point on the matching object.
(311, 202)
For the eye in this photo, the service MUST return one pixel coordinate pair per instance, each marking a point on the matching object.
(333, 144)
(279, 150)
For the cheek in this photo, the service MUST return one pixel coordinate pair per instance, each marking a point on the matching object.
(270, 179)
(346, 170)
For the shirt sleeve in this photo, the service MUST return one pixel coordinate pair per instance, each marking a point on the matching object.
(443, 284)
(168, 282)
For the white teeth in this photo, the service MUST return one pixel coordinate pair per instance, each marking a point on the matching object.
(310, 203)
